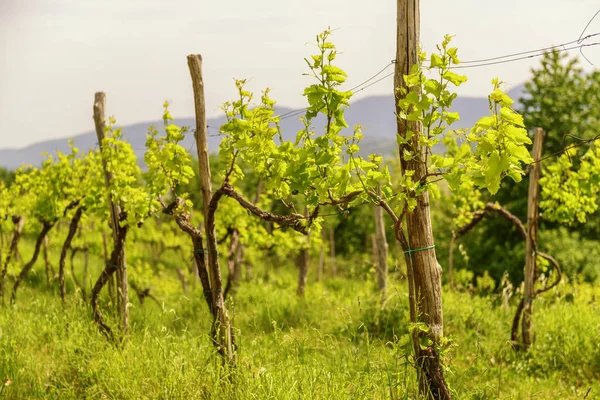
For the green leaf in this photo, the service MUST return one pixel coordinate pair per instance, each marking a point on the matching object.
(436, 61)
(454, 78)
(495, 169)
(451, 117)
(464, 151)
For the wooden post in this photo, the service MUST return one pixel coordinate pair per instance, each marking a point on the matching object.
(332, 250)
(195, 66)
(303, 259)
(249, 271)
(381, 247)
(111, 281)
(221, 323)
(233, 264)
(201, 135)
(424, 272)
(19, 223)
(239, 264)
(84, 282)
(49, 275)
(532, 228)
(374, 249)
(115, 211)
(321, 257)
(17, 254)
(451, 262)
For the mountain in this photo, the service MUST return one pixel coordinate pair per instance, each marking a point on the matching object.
(374, 113)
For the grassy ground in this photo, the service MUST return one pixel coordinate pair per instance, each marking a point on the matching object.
(337, 343)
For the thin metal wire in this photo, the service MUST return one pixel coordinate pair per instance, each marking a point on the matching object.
(573, 146)
(373, 83)
(543, 49)
(373, 77)
(484, 62)
(584, 29)
(355, 89)
(524, 57)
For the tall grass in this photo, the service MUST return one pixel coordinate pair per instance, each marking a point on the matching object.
(336, 343)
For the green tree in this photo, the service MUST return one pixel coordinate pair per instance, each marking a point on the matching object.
(561, 99)
(564, 101)
(49, 193)
(135, 202)
(7, 176)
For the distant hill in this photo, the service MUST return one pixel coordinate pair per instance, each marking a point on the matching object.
(375, 113)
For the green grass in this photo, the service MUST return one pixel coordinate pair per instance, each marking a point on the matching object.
(336, 343)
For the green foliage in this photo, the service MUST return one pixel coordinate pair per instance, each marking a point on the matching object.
(47, 191)
(480, 157)
(388, 322)
(465, 198)
(7, 206)
(170, 173)
(463, 280)
(561, 99)
(126, 187)
(340, 340)
(578, 256)
(330, 339)
(7, 177)
(500, 151)
(169, 164)
(569, 195)
(485, 284)
(313, 167)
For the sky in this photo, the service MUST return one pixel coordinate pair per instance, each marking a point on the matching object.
(55, 54)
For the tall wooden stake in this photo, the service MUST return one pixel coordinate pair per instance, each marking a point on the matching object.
(49, 269)
(111, 280)
(115, 211)
(381, 248)
(321, 257)
(451, 262)
(19, 223)
(532, 228)
(302, 260)
(222, 331)
(423, 267)
(332, 250)
(195, 66)
(201, 135)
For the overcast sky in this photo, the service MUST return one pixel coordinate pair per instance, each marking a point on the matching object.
(54, 54)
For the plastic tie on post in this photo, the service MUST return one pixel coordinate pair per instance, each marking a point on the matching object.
(410, 251)
(200, 252)
(112, 266)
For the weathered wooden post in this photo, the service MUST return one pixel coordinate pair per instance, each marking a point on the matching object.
(424, 272)
(115, 211)
(221, 324)
(321, 257)
(381, 249)
(531, 239)
(19, 223)
(332, 250)
(451, 262)
(303, 259)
